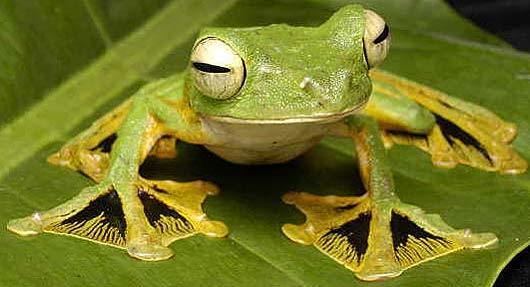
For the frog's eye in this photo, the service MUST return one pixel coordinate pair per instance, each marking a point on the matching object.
(218, 71)
(376, 38)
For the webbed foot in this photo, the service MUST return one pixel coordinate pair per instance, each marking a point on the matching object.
(376, 241)
(143, 217)
(26, 226)
(464, 133)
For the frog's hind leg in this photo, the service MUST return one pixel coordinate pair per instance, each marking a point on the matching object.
(89, 152)
(461, 132)
(379, 236)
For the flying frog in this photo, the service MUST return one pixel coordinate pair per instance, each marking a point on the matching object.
(266, 95)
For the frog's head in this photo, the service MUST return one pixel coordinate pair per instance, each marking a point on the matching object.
(280, 74)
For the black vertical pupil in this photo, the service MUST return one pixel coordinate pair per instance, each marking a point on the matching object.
(207, 68)
(383, 35)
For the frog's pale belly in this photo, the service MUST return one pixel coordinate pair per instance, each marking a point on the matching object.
(266, 143)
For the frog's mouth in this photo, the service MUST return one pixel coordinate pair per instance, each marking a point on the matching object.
(325, 117)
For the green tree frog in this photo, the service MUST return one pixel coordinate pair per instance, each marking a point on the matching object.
(266, 95)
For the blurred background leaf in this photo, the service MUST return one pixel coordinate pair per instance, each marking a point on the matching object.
(64, 63)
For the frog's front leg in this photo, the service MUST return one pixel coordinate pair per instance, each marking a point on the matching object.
(124, 210)
(376, 236)
(89, 151)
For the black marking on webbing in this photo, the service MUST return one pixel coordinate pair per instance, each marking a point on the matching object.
(106, 144)
(209, 68)
(158, 189)
(404, 230)
(110, 228)
(384, 34)
(451, 131)
(354, 233)
(164, 218)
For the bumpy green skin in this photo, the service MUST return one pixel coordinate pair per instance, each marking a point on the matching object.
(279, 57)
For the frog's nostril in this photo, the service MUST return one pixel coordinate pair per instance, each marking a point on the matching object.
(305, 83)
(308, 84)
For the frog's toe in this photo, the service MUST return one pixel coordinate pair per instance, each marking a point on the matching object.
(149, 251)
(298, 234)
(26, 226)
(168, 211)
(322, 204)
(378, 241)
(175, 211)
(214, 228)
(317, 209)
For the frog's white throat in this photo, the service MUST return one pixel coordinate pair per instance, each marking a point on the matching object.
(268, 141)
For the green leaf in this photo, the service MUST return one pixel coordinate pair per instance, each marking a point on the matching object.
(64, 63)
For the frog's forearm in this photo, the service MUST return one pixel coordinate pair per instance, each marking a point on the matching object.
(147, 121)
(375, 171)
(136, 137)
(170, 106)
(160, 108)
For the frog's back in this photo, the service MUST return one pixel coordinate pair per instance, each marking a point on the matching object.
(263, 143)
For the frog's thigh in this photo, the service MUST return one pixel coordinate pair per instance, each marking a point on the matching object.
(398, 113)
(462, 132)
(379, 236)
